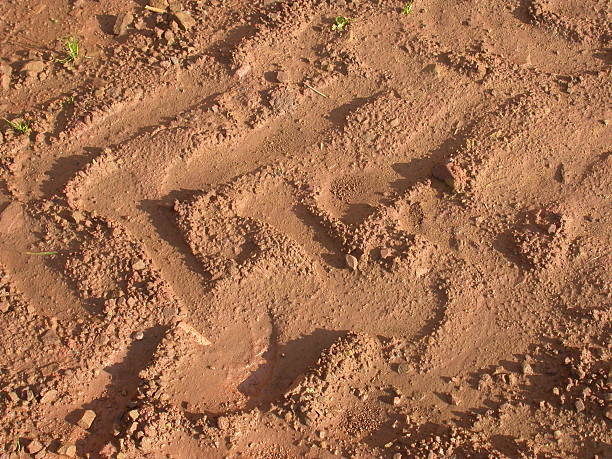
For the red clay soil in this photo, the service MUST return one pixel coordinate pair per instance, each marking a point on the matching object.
(249, 229)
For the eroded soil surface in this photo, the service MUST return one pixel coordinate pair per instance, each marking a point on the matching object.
(234, 230)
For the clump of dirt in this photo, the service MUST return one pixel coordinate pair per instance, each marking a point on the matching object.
(231, 229)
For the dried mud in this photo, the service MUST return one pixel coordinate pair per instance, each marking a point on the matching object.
(233, 231)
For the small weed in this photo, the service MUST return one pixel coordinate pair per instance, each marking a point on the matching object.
(407, 9)
(70, 100)
(17, 448)
(340, 23)
(72, 50)
(20, 126)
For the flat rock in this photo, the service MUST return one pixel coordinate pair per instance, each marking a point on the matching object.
(11, 218)
(185, 20)
(282, 76)
(33, 67)
(87, 419)
(67, 450)
(122, 23)
(34, 446)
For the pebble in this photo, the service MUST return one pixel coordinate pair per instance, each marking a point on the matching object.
(243, 70)
(49, 396)
(11, 218)
(34, 446)
(351, 262)
(557, 434)
(403, 368)
(138, 335)
(527, 369)
(122, 22)
(386, 253)
(33, 67)
(282, 76)
(185, 20)
(159, 4)
(579, 404)
(87, 419)
(139, 265)
(67, 450)
(50, 338)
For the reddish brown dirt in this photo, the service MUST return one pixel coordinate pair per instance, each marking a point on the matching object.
(260, 237)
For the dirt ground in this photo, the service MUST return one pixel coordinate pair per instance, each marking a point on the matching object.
(254, 229)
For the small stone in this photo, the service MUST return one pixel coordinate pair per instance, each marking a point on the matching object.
(557, 434)
(67, 450)
(351, 262)
(579, 404)
(436, 69)
(33, 67)
(397, 401)
(4, 306)
(13, 397)
(451, 174)
(49, 338)
(552, 229)
(138, 335)
(11, 218)
(526, 368)
(139, 265)
(87, 419)
(454, 399)
(158, 4)
(34, 446)
(185, 20)
(5, 76)
(403, 368)
(322, 434)
(169, 37)
(49, 396)
(243, 70)
(78, 216)
(122, 22)
(282, 76)
(386, 253)
(397, 456)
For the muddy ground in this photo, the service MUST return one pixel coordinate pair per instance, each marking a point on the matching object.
(250, 229)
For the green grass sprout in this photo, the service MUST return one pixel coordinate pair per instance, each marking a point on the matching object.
(340, 23)
(20, 126)
(407, 9)
(71, 45)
